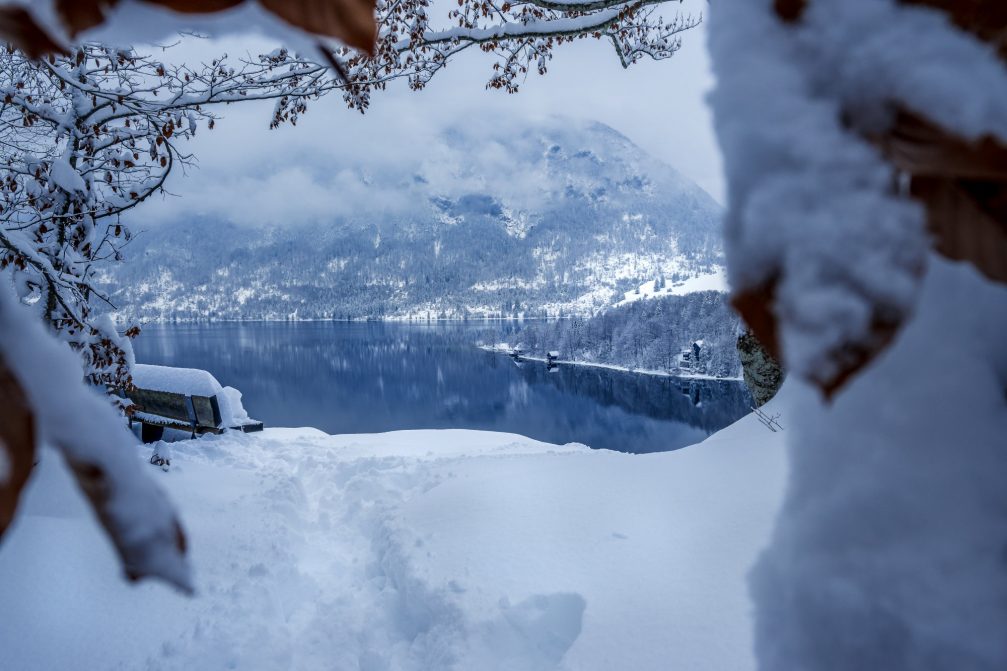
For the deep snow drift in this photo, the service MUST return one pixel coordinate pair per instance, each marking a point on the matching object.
(889, 552)
(410, 550)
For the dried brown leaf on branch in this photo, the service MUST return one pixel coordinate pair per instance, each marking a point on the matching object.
(79, 15)
(962, 183)
(789, 11)
(17, 445)
(351, 21)
(757, 309)
(18, 27)
(986, 19)
(963, 186)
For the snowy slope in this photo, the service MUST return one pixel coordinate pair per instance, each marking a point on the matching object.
(411, 550)
(715, 281)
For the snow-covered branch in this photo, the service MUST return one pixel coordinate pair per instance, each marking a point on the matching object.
(56, 410)
(92, 134)
(522, 36)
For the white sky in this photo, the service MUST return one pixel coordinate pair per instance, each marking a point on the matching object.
(659, 105)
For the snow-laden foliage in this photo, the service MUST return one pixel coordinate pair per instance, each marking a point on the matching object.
(831, 114)
(44, 376)
(87, 137)
(850, 128)
(762, 373)
(647, 335)
(521, 34)
(412, 41)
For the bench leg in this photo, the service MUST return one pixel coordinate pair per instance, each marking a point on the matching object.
(150, 433)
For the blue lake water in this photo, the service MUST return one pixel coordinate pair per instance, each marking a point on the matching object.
(372, 377)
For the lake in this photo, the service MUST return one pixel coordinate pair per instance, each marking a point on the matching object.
(367, 377)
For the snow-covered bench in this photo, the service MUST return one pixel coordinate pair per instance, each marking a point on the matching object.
(187, 399)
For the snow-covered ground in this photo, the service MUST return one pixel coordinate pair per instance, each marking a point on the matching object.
(410, 550)
(504, 348)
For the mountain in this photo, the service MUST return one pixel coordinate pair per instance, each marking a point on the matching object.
(547, 217)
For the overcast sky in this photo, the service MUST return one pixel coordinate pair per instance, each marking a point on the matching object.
(658, 105)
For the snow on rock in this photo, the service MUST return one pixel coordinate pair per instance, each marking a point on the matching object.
(412, 550)
(890, 550)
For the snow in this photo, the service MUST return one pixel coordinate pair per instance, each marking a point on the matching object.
(65, 176)
(528, 29)
(192, 382)
(188, 381)
(889, 552)
(411, 550)
(715, 281)
(93, 438)
(229, 401)
(811, 203)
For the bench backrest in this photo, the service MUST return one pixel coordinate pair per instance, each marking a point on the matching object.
(203, 411)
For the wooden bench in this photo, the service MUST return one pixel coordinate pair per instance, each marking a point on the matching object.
(160, 410)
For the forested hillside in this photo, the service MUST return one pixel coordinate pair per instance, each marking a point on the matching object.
(646, 334)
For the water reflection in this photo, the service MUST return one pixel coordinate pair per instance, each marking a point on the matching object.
(371, 377)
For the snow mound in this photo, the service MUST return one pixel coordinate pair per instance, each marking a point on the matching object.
(188, 381)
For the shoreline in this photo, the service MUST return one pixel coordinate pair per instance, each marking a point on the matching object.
(360, 320)
(609, 366)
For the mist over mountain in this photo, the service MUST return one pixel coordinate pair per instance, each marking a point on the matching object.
(553, 217)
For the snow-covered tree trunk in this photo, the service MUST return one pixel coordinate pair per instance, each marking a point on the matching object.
(856, 134)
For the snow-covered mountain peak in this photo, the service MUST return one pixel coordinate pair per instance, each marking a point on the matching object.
(493, 217)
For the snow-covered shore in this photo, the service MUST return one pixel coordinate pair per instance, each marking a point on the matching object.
(410, 550)
(498, 349)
